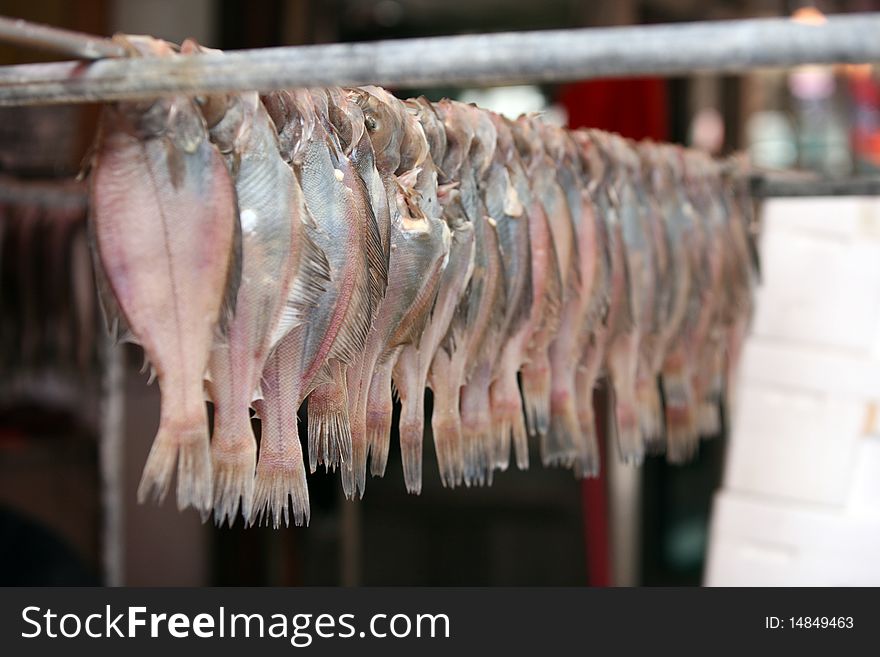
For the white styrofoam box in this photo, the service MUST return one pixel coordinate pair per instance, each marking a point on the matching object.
(864, 495)
(793, 444)
(810, 368)
(819, 288)
(837, 217)
(756, 542)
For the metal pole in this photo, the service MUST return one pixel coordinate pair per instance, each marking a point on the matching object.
(67, 194)
(485, 59)
(53, 39)
(779, 187)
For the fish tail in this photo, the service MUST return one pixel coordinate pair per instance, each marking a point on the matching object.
(626, 419)
(354, 473)
(411, 428)
(558, 445)
(181, 440)
(507, 421)
(733, 355)
(446, 427)
(520, 440)
(379, 415)
(682, 436)
(233, 459)
(379, 441)
(476, 434)
(709, 418)
(501, 432)
(536, 393)
(650, 415)
(589, 459)
(280, 490)
(328, 426)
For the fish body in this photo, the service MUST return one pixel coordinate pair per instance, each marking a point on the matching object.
(164, 225)
(708, 343)
(680, 408)
(330, 438)
(507, 198)
(275, 293)
(625, 353)
(488, 320)
(338, 203)
(658, 196)
(564, 440)
(419, 247)
(546, 192)
(606, 296)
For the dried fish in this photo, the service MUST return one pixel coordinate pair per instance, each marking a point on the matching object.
(164, 223)
(389, 245)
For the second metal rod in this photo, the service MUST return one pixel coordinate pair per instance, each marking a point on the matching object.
(53, 39)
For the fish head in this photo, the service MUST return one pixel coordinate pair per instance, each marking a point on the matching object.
(144, 119)
(554, 140)
(383, 125)
(459, 136)
(346, 117)
(528, 137)
(503, 136)
(228, 116)
(295, 119)
(485, 139)
(592, 161)
(431, 124)
(414, 149)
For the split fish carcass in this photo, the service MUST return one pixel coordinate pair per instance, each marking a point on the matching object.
(339, 245)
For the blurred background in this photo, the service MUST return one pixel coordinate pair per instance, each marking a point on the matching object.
(797, 472)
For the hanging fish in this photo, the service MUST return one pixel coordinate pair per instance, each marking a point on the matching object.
(508, 200)
(414, 361)
(338, 202)
(283, 273)
(165, 239)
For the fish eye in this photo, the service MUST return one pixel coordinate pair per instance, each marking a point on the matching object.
(371, 123)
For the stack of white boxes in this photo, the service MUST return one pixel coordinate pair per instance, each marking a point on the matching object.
(800, 503)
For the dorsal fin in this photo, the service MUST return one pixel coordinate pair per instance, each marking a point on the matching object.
(369, 288)
(309, 282)
(114, 319)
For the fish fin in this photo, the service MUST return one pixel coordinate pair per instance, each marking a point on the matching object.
(307, 287)
(536, 393)
(559, 444)
(508, 425)
(233, 460)
(188, 447)
(413, 325)
(630, 446)
(280, 487)
(114, 319)
(379, 418)
(233, 279)
(353, 334)
(323, 376)
(377, 258)
(329, 429)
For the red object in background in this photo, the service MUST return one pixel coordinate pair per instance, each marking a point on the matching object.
(635, 108)
(864, 91)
